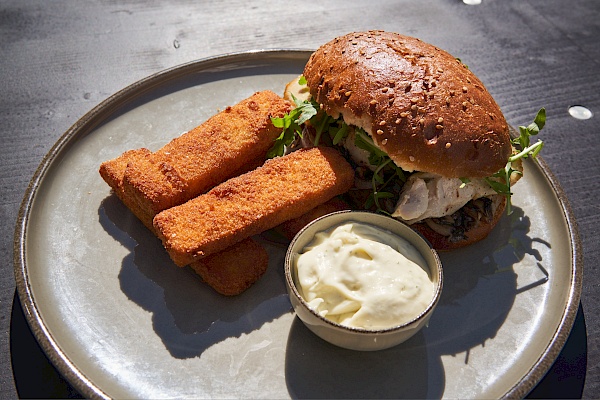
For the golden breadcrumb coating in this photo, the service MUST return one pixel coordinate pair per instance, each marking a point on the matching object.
(282, 189)
(235, 269)
(232, 142)
(112, 171)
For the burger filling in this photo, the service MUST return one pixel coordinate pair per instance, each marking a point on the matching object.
(449, 206)
(426, 195)
(456, 224)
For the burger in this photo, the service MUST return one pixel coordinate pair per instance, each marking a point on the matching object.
(429, 144)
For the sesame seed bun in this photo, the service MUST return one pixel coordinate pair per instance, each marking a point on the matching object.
(420, 104)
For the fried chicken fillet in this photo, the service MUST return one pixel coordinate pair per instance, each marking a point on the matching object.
(234, 141)
(282, 189)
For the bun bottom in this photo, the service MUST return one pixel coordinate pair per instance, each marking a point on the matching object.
(477, 232)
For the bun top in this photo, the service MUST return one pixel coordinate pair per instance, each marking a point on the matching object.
(421, 105)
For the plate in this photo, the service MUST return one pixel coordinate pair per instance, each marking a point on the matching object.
(120, 320)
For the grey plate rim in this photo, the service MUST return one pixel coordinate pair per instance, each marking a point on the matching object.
(107, 107)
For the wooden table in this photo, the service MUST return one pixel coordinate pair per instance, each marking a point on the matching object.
(62, 58)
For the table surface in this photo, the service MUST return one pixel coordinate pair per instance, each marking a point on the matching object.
(62, 58)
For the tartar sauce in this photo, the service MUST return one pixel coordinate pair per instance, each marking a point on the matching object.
(361, 276)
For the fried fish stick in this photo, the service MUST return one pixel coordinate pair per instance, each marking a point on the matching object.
(283, 188)
(290, 228)
(112, 171)
(233, 270)
(231, 142)
(229, 272)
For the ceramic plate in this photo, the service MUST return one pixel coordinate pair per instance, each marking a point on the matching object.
(119, 319)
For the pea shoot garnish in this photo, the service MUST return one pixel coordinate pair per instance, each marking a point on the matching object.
(501, 180)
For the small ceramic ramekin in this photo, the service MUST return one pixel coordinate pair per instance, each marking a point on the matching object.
(351, 337)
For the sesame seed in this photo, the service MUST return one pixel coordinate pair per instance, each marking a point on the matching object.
(348, 93)
(440, 120)
(384, 141)
(414, 107)
(398, 120)
(464, 89)
(422, 121)
(414, 100)
(448, 145)
(384, 90)
(382, 123)
(439, 126)
(404, 114)
(379, 132)
(411, 158)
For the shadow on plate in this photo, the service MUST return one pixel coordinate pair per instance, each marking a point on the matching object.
(480, 286)
(308, 359)
(315, 368)
(187, 315)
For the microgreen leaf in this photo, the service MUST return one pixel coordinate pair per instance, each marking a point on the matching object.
(363, 141)
(291, 123)
(322, 122)
(307, 110)
(502, 185)
(339, 133)
(378, 181)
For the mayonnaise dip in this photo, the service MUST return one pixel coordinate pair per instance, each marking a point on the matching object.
(362, 276)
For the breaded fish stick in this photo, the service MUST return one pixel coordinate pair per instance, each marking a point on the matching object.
(235, 269)
(283, 188)
(229, 272)
(113, 171)
(231, 142)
